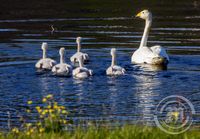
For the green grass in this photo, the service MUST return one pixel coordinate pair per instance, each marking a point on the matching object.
(125, 132)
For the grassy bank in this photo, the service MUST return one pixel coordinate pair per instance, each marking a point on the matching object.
(126, 132)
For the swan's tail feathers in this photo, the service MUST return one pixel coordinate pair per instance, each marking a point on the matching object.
(160, 61)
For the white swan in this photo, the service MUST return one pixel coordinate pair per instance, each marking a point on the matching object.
(75, 57)
(62, 69)
(45, 63)
(114, 69)
(81, 72)
(155, 55)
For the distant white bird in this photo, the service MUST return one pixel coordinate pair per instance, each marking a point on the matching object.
(62, 69)
(155, 55)
(45, 63)
(78, 54)
(114, 69)
(81, 72)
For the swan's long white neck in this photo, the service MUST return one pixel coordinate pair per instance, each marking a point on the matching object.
(113, 60)
(78, 46)
(62, 60)
(146, 32)
(44, 54)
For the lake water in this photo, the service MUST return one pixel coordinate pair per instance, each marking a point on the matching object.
(103, 25)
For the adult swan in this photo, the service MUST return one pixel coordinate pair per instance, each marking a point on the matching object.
(155, 55)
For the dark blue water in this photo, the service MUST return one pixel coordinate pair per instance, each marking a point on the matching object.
(129, 98)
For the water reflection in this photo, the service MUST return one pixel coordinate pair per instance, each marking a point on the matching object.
(147, 67)
(44, 84)
(113, 95)
(62, 90)
(147, 86)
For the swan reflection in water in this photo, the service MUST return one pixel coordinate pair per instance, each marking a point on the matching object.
(147, 93)
(44, 83)
(147, 67)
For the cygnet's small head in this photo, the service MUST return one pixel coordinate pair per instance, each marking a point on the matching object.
(113, 51)
(62, 51)
(145, 14)
(44, 46)
(78, 40)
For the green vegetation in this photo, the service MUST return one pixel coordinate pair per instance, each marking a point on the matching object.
(52, 124)
(126, 132)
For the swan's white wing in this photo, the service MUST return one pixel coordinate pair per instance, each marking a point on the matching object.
(85, 56)
(160, 51)
(54, 69)
(75, 57)
(115, 70)
(123, 70)
(46, 63)
(76, 71)
(90, 72)
(118, 70)
(52, 62)
(82, 72)
(69, 66)
(62, 70)
(143, 55)
(39, 64)
(109, 71)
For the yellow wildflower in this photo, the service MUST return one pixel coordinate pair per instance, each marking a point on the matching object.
(50, 110)
(55, 107)
(15, 130)
(28, 133)
(31, 130)
(64, 121)
(28, 110)
(37, 107)
(44, 100)
(64, 111)
(29, 102)
(39, 111)
(43, 113)
(39, 124)
(49, 96)
(62, 107)
(41, 130)
(46, 110)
